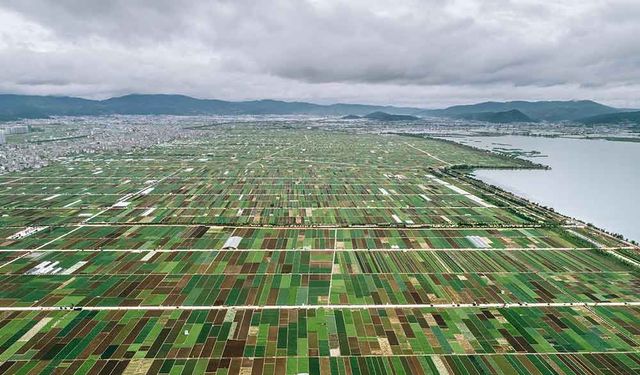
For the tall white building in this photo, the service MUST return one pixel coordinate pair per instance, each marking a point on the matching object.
(18, 129)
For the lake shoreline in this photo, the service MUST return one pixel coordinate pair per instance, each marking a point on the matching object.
(580, 182)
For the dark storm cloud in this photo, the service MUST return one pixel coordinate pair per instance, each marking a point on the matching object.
(372, 51)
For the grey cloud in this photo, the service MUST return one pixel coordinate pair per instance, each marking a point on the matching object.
(283, 48)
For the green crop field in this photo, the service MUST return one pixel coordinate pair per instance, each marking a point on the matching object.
(269, 249)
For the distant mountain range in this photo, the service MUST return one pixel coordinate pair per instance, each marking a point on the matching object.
(504, 117)
(546, 110)
(613, 118)
(382, 116)
(24, 106)
(13, 107)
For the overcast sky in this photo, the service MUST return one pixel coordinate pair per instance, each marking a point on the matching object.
(426, 53)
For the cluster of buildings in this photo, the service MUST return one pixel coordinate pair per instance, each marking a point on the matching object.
(16, 129)
(99, 134)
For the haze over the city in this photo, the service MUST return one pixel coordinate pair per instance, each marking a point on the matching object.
(420, 53)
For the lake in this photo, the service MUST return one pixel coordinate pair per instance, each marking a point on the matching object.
(596, 181)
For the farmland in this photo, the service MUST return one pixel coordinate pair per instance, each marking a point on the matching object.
(262, 248)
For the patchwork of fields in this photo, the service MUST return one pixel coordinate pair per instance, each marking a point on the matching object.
(288, 250)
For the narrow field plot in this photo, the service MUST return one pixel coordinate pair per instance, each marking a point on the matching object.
(431, 262)
(191, 237)
(389, 216)
(522, 364)
(294, 289)
(402, 289)
(154, 290)
(162, 263)
(318, 333)
(40, 217)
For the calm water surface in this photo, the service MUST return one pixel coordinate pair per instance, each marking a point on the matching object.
(594, 180)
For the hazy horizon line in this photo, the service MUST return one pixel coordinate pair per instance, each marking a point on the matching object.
(315, 101)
